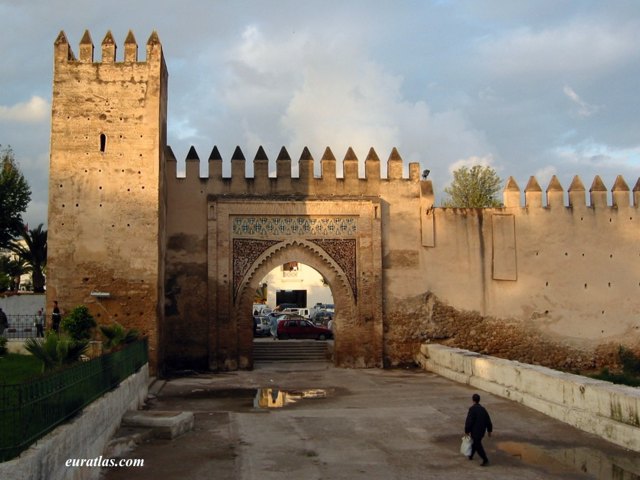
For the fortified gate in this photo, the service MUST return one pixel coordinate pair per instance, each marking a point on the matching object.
(180, 258)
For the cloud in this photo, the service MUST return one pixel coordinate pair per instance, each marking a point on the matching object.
(319, 90)
(35, 110)
(585, 109)
(316, 88)
(594, 154)
(544, 174)
(485, 161)
(576, 47)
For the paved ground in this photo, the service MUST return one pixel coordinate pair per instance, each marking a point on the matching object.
(358, 424)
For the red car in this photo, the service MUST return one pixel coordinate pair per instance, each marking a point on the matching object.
(295, 326)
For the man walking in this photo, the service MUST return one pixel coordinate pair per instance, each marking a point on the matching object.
(478, 421)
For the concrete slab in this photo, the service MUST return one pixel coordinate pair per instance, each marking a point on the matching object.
(312, 421)
(164, 424)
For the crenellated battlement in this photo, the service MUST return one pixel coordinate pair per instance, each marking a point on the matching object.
(64, 52)
(576, 194)
(182, 255)
(284, 183)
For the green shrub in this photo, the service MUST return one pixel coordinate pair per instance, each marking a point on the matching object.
(116, 336)
(630, 361)
(630, 374)
(3, 346)
(78, 323)
(56, 350)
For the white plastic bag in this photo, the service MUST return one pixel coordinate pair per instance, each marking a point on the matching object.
(465, 446)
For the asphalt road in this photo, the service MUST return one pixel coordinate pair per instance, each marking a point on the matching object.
(314, 421)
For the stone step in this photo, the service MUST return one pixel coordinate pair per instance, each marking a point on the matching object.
(290, 351)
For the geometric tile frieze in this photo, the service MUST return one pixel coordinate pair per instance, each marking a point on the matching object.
(298, 226)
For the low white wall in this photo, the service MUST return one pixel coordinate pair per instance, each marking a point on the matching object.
(607, 410)
(85, 436)
(17, 346)
(23, 304)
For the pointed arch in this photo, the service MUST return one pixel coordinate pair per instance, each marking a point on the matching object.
(303, 251)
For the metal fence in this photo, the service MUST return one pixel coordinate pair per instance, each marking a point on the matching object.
(22, 326)
(32, 409)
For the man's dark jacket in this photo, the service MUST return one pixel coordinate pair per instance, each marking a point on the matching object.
(478, 421)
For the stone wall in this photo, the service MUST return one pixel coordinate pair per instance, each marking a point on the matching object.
(609, 411)
(84, 436)
(106, 184)
(425, 318)
(557, 273)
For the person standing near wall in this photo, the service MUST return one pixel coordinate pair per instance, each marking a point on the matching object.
(477, 423)
(4, 322)
(40, 323)
(274, 326)
(55, 317)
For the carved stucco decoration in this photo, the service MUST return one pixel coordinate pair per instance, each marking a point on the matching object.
(247, 250)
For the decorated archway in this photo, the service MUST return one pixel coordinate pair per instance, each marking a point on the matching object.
(341, 240)
(312, 254)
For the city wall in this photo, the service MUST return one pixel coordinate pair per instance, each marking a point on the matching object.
(554, 268)
(551, 267)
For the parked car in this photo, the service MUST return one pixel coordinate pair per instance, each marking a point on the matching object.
(295, 326)
(282, 306)
(322, 318)
(261, 326)
(304, 312)
(260, 309)
(321, 312)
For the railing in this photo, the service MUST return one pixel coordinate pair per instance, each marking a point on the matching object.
(22, 326)
(32, 409)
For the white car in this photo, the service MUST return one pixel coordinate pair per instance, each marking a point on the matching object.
(303, 312)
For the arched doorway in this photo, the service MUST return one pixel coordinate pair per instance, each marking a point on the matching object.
(294, 283)
(284, 252)
(341, 239)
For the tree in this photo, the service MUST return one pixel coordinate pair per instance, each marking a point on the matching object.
(13, 268)
(15, 195)
(33, 250)
(474, 187)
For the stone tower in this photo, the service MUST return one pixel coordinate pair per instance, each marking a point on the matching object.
(106, 184)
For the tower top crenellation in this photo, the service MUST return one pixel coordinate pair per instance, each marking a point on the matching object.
(109, 47)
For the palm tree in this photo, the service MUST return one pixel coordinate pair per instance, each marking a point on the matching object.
(14, 268)
(33, 250)
(56, 350)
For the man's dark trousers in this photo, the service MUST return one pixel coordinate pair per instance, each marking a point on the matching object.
(477, 447)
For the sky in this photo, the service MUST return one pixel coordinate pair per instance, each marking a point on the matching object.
(540, 87)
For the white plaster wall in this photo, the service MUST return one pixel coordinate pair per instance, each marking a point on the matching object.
(85, 436)
(23, 304)
(602, 408)
(307, 278)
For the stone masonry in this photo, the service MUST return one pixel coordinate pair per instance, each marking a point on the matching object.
(180, 257)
